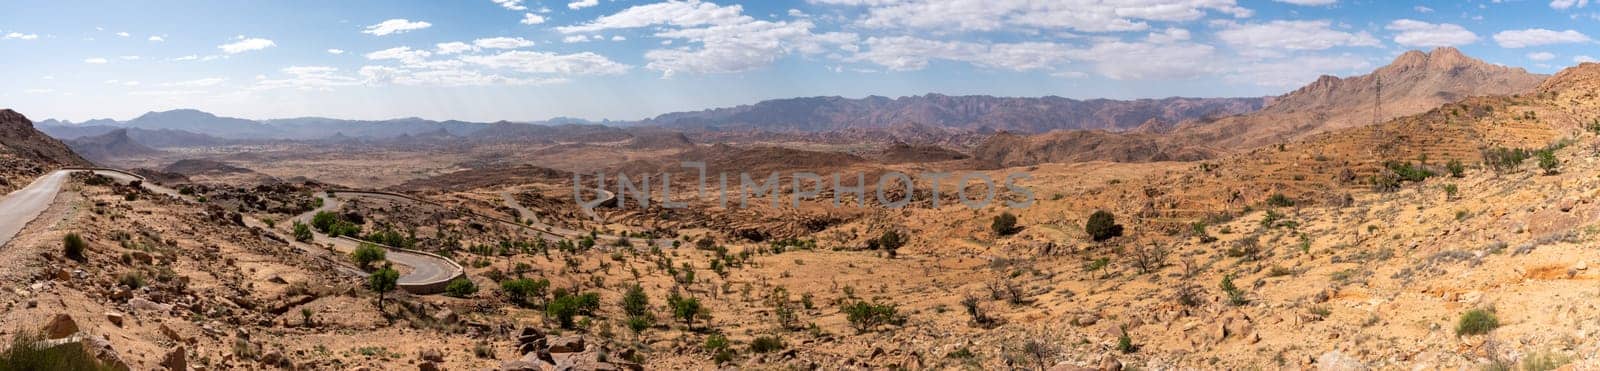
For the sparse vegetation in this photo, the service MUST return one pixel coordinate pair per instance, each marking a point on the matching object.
(366, 254)
(1477, 322)
(865, 316)
(1102, 226)
(382, 282)
(461, 288)
(1004, 224)
(73, 247)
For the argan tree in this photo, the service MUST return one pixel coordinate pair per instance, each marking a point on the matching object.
(1102, 226)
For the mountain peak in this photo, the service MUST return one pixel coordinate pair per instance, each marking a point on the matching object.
(1439, 58)
(7, 116)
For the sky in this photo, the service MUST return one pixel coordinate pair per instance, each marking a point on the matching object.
(528, 60)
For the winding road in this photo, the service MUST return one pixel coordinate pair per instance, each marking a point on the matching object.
(426, 268)
(23, 205)
(429, 273)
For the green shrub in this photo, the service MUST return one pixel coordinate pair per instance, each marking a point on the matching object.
(1456, 169)
(27, 354)
(1409, 172)
(635, 303)
(1125, 343)
(1279, 200)
(1548, 162)
(1004, 224)
(866, 316)
(521, 290)
(366, 254)
(640, 323)
(1503, 159)
(302, 232)
(383, 281)
(74, 247)
(890, 242)
(766, 344)
(461, 288)
(1102, 226)
(1477, 322)
(1235, 295)
(687, 309)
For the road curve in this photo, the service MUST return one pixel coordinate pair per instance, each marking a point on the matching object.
(23, 205)
(426, 269)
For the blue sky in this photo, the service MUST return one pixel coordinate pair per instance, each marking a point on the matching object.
(523, 60)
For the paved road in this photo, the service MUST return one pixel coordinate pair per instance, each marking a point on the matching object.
(510, 201)
(425, 269)
(23, 205)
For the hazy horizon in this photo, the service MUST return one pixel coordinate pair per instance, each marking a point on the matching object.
(525, 60)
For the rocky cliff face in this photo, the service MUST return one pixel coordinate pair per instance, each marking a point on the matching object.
(26, 153)
(110, 147)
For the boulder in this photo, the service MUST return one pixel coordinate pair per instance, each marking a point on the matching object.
(145, 305)
(61, 326)
(567, 344)
(176, 360)
(1109, 362)
(428, 366)
(115, 318)
(431, 355)
(1335, 361)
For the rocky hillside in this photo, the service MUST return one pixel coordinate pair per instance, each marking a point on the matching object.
(973, 112)
(26, 153)
(110, 147)
(1414, 83)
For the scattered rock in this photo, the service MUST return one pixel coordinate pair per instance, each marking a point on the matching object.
(115, 318)
(1109, 362)
(431, 355)
(1086, 320)
(1335, 361)
(146, 305)
(177, 360)
(61, 326)
(567, 344)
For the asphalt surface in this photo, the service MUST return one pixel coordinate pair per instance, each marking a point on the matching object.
(24, 205)
(425, 269)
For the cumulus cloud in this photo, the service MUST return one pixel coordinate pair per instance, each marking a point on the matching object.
(336, 51)
(321, 78)
(244, 44)
(511, 4)
(580, 4)
(721, 39)
(905, 53)
(1309, 2)
(453, 47)
(1423, 34)
(96, 61)
(404, 54)
(995, 15)
(1268, 37)
(1294, 71)
(19, 36)
(584, 63)
(1541, 56)
(1538, 36)
(395, 26)
(1567, 4)
(196, 83)
(156, 39)
(502, 43)
(531, 19)
(1584, 59)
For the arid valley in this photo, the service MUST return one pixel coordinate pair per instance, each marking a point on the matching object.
(1433, 211)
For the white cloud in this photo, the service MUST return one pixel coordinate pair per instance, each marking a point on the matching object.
(307, 78)
(1423, 34)
(453, 47)
(995, 15)
(728, 41)
(1267, 38)
(1541, 56)
(20, 36)
(404, 54)
(96, 61)
(395, 26)
(904, 53)
(156, 39)
(618, 38)
(336, 51)
(531, 19)
(511, 4)
(1422, 9)
(585, 63)
(1121, 60)
(197, 83)
(1295, 71)
(190, 57)
(1565, 4)
(1308, 2)
(502, 43)
(580, 4)
(246, 44)
(445, 77)
(130, 57)
(123, 34)
(1538, 36)
(1584, 59)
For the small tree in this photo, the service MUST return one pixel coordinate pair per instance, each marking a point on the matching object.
(1548, 162)
(366, 254)
(1039, 350)
(1235, 295)
(461, 288)
(1102, 226)
(891, 241)
(1004, 224)
(866, 316)
(302, 232)
(1149, 257)
(686, 309)
(1456, 169)
(522, 289)
(74, 247)
(1477, 322)
(635, 303)
(383, 281)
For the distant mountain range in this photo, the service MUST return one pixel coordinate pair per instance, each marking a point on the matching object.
(972, 114)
